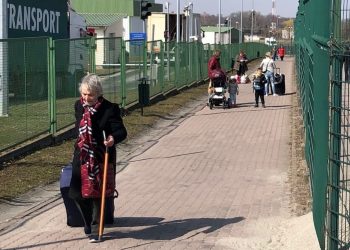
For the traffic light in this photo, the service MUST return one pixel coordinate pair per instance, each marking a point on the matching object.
(144, 12)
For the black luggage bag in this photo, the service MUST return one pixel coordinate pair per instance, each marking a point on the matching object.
(280, 83)
(74, 218)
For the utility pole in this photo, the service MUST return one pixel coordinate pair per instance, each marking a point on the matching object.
(241, 31)
(178, 22)
(230, 41)
(220, 21)
(252, 28)
(191, 19)
(168, 42)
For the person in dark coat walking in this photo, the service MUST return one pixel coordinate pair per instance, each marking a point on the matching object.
(240, 63)
(94, 115)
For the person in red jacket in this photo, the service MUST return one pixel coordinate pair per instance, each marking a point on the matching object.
(214, 70)
(281, 52)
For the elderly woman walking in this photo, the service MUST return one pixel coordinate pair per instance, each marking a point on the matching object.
(94, 116)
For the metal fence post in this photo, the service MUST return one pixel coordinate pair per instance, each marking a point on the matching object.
(92, 53)
(123, 74)
(320, 90)
(162, 63)
(145, 59)
(177, 64)
(333, 237)
(51, 85)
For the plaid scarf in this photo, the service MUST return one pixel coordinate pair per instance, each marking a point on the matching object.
(86, 142)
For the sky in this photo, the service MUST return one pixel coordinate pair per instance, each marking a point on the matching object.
(284, 8)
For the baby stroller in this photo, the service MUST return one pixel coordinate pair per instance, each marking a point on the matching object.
(218, 98)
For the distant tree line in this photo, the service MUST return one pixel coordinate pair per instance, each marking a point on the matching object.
(262, 23)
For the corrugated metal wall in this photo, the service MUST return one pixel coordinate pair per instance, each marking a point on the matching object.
(104, 6)
(129, 7)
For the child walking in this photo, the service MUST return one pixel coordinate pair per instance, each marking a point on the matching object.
(233, 90)
(259, 81)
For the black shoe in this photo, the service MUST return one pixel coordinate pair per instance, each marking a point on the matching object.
(87, 230)
(94, 239)
(264, 106)
(256, 105)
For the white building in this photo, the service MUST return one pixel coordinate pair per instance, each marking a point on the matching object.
(212, 35)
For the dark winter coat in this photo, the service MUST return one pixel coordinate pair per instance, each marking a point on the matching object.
(240, 64)
(259, 82)
(108, 119)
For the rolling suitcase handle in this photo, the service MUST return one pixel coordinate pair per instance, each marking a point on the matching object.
(278, 71)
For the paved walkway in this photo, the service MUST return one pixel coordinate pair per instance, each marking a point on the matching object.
(214, 179)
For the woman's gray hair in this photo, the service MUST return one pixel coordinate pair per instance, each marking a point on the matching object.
(93, 83)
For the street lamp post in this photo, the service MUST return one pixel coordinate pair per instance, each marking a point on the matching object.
(241, 31)
(178, 22)
(228, 23)
(219, 21)
(167, 40)
(230, 40)
(277, 28)
(186, 12)
(252, 28)
(191, 19)
(167, 21)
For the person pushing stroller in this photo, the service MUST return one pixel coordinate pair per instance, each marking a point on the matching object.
(217, 76)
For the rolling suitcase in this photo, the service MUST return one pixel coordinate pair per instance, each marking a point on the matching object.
(74, 218)
(280, 83)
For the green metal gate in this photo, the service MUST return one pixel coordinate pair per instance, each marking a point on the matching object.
(322, 47)
(338, 209)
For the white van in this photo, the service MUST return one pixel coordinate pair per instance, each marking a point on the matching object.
(271, 41)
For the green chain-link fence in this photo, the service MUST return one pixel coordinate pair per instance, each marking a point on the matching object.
(322, 53)
(72, 61)
(24, 102)
(312, 54)
(338, 205)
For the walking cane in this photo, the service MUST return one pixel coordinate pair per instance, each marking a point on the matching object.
(104, 184)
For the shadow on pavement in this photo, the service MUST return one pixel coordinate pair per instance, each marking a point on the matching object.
(292, 93)
(156, 230)
(169, 230)
(135, 221)
(45, 244)
(240, 107)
